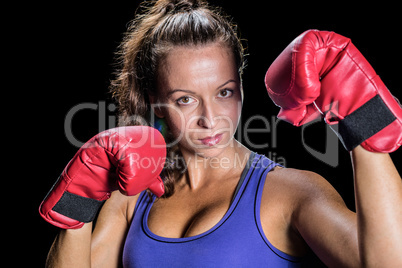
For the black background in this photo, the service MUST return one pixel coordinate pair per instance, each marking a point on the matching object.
(62, 56)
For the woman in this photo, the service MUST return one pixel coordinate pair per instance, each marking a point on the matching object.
(223, 204)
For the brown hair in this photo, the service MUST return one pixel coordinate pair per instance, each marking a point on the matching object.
(158, 27)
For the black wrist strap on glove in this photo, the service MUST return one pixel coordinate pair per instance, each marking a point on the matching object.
(364, 122)
(77, 207)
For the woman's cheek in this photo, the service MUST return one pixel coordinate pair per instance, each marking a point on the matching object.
(232, 115)
(177, 123)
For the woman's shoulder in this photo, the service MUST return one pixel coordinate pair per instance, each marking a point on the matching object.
(299, 185)
(294, 192)
(293, 175)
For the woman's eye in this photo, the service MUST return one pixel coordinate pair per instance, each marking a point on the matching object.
(185, 100)
(225, 93)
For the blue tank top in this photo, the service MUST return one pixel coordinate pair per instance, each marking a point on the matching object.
(237, 240)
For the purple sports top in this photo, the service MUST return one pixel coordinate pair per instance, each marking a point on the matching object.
(237, 240)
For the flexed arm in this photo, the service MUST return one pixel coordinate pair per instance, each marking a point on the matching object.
(128, 159)
(378, 194)
(323, 74)
(111, 160)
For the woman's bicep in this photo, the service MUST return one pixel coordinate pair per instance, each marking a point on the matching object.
(326, 224)
(110, 230)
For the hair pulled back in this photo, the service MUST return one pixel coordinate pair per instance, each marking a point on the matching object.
(158, 27)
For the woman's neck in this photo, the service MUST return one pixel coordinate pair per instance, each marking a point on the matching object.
(203, 170)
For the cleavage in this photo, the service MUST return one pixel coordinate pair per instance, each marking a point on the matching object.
(179, 217)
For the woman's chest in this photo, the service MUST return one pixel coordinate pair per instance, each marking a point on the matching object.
(187, 216)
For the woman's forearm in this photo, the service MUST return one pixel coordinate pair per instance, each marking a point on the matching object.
(378, 189)
(71, 248)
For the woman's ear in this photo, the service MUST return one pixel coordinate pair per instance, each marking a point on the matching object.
(156, 107)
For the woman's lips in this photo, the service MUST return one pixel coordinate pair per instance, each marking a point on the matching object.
(211, 141)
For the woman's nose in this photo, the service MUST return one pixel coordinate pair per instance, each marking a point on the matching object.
(209, 117)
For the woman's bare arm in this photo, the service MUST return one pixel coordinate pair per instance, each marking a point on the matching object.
(71, 248)
(100, 248)
(373, 236)
(378, 193)
(321, 217)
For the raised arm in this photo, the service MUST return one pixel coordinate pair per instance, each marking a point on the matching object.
(378, 194)
(101, 247)
(323, 74)
(109, 162)
(71, 248)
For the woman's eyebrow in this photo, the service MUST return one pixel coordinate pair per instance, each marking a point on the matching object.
(227, 82)
(170, 93)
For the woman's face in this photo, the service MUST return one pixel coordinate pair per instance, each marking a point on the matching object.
(200, 93)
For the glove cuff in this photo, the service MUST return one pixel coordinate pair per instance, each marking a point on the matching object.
(76, 207)
(367, 120)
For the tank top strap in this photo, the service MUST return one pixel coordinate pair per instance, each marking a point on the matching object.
(256, 171)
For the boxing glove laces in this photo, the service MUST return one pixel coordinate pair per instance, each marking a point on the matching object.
(322, 73)
(128, 159)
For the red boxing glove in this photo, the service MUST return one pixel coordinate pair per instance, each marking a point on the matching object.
(126, 158)
(323, 74)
